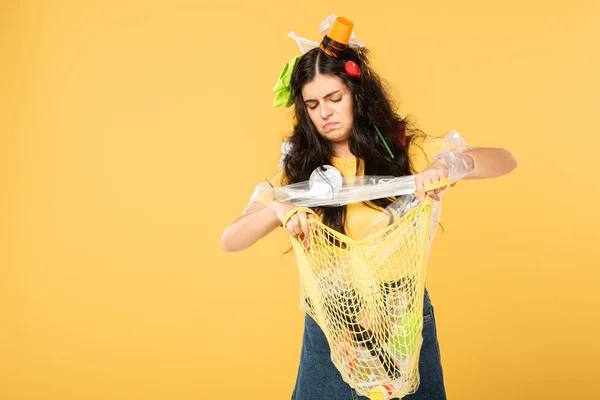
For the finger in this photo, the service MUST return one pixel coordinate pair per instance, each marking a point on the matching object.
(442, 177)
(290, 228)
(296, 225)
(434, 180)
(427, 181)
(293, 226)
(433, 194)
(419, 186)
(313, 220)
(303, 222)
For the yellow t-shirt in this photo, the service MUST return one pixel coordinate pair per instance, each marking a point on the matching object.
(359, 215)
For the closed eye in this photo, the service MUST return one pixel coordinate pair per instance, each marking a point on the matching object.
(317, 104)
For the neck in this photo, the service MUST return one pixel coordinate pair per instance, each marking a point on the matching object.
(341, 150)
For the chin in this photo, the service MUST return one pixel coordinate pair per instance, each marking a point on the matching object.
(336, 136)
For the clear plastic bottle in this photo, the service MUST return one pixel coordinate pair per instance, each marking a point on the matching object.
(406, 325)
(403, 344)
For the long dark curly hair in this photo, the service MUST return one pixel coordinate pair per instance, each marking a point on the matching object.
(371, 107)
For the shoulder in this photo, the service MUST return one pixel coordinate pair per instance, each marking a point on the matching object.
(279, 179)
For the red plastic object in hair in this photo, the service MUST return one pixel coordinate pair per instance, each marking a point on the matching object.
(352, 69)
(401, 133)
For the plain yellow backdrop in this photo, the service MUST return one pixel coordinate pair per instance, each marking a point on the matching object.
(133, 133)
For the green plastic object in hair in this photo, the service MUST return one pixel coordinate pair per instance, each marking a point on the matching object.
(383, 140)
(283, 88)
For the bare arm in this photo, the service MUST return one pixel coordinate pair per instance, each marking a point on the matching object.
(490, 163)
(249, 228)
(485, 162)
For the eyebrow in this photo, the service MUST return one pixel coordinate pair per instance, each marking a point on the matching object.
(326, 96)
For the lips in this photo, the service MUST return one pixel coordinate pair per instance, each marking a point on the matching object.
(329, 125)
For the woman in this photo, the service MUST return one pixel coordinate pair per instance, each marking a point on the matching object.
(345, 118)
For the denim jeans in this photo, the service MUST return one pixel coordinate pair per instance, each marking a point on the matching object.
(319, 379)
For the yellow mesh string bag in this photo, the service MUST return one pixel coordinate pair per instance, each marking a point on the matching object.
(367, 297)
(367, 294)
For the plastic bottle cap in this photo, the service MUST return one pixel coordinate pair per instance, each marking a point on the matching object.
(341, 30)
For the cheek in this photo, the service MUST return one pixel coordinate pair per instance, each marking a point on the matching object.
(348, 111)
(314, 117)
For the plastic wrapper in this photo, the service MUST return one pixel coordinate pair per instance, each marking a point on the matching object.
(458, 164)
(339, 191)
(326, 186)
(329, 188)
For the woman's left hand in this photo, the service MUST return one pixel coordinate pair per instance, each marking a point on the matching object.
(435, 172)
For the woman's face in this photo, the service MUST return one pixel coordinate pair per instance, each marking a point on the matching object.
(329, 105)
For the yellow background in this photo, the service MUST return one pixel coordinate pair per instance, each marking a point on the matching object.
(134, 132)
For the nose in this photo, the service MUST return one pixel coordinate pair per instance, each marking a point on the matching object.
(326, 111)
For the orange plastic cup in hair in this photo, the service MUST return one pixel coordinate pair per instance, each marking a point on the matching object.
(341, 30)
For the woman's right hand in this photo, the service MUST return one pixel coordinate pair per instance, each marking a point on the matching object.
(298, 223)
